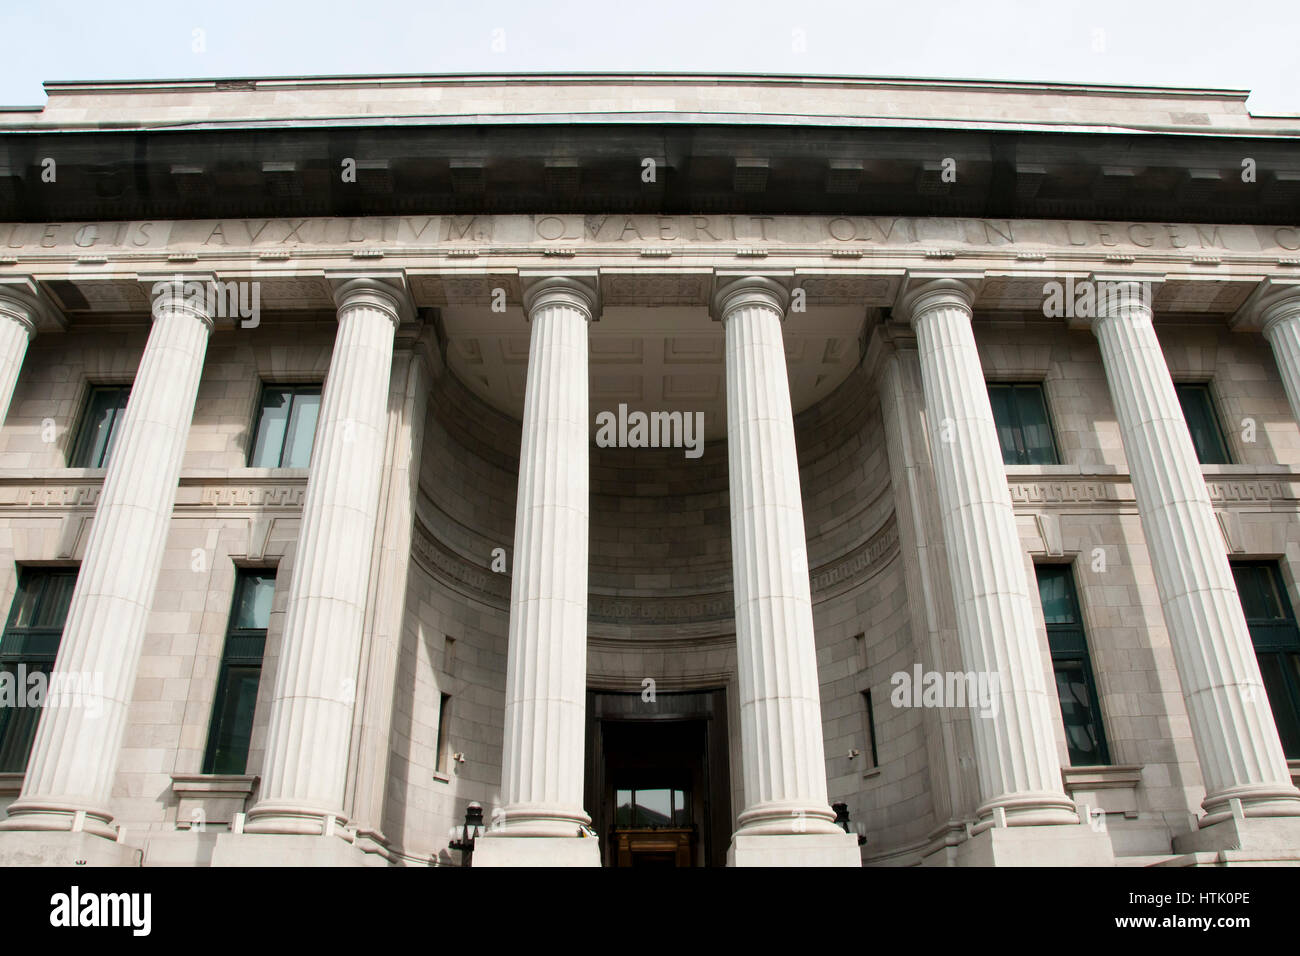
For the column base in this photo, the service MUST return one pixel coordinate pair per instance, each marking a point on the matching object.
(501, 850)
(289, 849)
(1251, 801)
(1242, 840)
(1055, 846)
(63, 848)
(794, 849)
(37, 815)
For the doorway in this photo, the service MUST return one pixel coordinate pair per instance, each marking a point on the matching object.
(657, 778)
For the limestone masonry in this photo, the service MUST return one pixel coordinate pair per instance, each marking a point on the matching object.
(899, 473)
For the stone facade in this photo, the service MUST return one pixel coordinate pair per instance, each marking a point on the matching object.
(462, 566)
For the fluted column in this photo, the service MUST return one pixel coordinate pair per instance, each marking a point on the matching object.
(373, 724)
(1281, 326)
(17, 328)
(1016, 756)
(1232, 725)
(74, 754)
(546, 671)
(784, 765)
(305, 767)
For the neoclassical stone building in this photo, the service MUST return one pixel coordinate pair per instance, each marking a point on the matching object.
(655, 461)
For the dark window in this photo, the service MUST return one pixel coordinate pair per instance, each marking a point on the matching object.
(652, 807)
(241, 671)
(1276, 638)
(1202, 423)
(28, 646)
(100, 423)
(869, 716)
(1020, 414)
(1075, 685)
(286, 425)
(443, 758)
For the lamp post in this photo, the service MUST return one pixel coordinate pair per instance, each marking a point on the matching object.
(463, 837)
(842, 821)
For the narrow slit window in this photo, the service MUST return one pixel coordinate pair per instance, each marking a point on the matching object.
(1076, 686)
(231, 728)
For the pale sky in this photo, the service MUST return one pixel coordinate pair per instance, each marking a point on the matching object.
(1249, 44)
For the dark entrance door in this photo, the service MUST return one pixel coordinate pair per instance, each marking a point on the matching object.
(657, 778)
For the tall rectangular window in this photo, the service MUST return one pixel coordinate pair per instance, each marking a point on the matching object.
(1203, 423)
(28, 646)
(1276, 638)
(443, 759)
(1075, 686)
(231, 728)
(1020, 414)
(285, 427)
(869, 720)
(99, 426)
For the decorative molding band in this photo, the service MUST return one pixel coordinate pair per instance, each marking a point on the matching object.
(454, 571)
(861, 564)
(1252, 489)
(193, 493)
(1116, 491)
(81, 494)
(276, 494)
(661, 610)
(478, 582)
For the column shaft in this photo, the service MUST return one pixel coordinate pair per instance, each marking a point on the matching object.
(1232, 726)
(75, 751)
(306, 760)
(546, 671)
(1016, 755)
(387, 604)
(929, 592)
(780, 706)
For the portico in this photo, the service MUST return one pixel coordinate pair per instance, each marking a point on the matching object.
(544, 489)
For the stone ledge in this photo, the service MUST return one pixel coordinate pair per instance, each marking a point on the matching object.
(204, 798)
(1111, 789)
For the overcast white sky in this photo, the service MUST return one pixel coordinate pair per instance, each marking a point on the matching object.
(1238, 44)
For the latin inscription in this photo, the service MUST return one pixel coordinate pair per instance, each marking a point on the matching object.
(431, 232)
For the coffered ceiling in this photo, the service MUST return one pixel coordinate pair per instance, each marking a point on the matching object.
(652, 358)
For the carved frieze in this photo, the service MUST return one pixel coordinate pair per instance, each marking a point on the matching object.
(479, 582)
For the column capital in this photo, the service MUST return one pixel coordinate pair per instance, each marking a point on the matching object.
(730, 295)
(1117, 296)
(387, 292)
(23, 301)
(577, 291)
(195, 294)
(922, 295)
